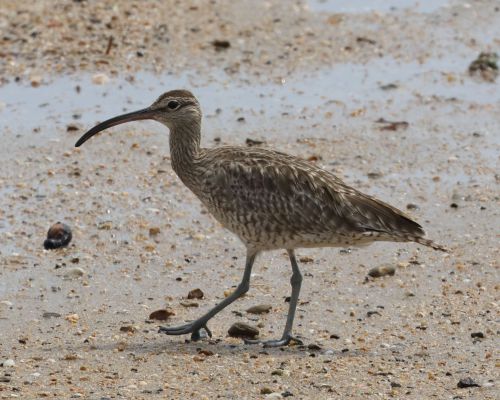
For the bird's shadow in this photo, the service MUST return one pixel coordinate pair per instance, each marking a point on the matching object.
(220, 346)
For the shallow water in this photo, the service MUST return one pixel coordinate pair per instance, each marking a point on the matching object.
(351, 85)
(384, 6)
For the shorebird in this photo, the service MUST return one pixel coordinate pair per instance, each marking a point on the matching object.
(270, 200)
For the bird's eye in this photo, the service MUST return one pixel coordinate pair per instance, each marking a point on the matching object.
(173, 104)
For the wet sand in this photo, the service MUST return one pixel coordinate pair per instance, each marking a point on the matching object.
(305, 79)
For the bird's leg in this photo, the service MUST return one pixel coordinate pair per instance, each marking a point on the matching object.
(296, 282)
(201, 323)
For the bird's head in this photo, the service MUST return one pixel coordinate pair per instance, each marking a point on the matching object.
(173, 108)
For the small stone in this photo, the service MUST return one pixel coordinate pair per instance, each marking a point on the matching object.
(485, 66)
(128, 329)
(334, 336)
(195, 294)
(467, 383)
(221, 44)
(250, 142)
(265, 390)
(198, 236)
(4, 379)
(154, 231)
(51, 315)
(287, 393)
(105, 225)
(71, 357)
(395, 385)
(314, 347)
(73, 318)
(72, 128)
(100, 79)
(411, 206)
(8, 363)
(58, 235)
(374, 175)
(74, 273)
(370, 313)
(121, 346)
(477, 335)
(389, 86)
(382, 270)
(189, 304)
(36, 80)
(242, 330)
(161, 315)
(260, 309)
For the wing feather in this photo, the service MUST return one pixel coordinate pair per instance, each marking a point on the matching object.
(287, 190)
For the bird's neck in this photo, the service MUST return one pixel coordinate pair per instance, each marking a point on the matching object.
(184, 151)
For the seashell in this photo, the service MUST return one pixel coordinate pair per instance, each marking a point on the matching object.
(59, 235)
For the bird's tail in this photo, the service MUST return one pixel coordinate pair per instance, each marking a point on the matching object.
(429, 243)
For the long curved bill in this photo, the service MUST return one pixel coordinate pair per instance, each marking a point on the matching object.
(145, 113)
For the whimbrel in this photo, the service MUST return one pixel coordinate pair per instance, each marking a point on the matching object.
(270, 200)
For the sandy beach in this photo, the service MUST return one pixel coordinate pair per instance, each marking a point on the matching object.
(377, 92)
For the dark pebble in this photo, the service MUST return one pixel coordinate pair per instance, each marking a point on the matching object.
(59, 235)
(252, 142)
(389, 86)
(72, 128)
(189, 304)
(221, 44)
(334, 336)
(374, 175)
(395, 385)
(51, 315)
(477, 335)
(127, 329)
(265, 390)
(195, 294)
(370, 313)
(383, 270)
(161, 315)
(286, 394)
(242, 330)
(411, 206)
(467, 383)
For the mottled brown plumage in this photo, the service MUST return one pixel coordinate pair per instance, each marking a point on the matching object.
(270, 200)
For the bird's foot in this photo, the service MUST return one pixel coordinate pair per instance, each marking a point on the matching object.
(194, 328)
(284, 341)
